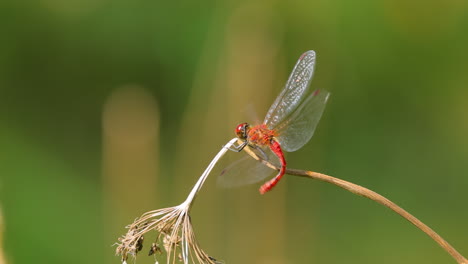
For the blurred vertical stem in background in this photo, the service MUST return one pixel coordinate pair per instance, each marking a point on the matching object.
(252, 42)
(2, 256)
(130, 155)
(223, 88)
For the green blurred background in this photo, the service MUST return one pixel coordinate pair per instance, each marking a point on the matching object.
(112, 108)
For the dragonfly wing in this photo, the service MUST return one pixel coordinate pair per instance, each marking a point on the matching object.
(292, 94)
(247, 170)
(297, 130)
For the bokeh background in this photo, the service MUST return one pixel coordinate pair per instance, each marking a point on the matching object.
(112, 108)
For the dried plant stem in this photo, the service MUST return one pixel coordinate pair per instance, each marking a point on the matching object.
(361, 191)
(173, 226)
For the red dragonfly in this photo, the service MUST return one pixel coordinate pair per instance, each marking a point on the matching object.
(288, 125)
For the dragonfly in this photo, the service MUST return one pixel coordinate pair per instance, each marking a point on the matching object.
(289, 124)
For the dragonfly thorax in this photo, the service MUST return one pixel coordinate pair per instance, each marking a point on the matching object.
(260, 135)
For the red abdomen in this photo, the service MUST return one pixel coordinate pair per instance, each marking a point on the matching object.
(276, 148)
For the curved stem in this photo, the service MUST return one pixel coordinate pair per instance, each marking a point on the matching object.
(362, 191)
(196, 188)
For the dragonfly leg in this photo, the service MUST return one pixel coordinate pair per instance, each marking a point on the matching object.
(239, 147)
(262, 153)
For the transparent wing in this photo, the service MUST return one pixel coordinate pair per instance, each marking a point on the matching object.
(247, 170)
(297, 130)
(293, 93)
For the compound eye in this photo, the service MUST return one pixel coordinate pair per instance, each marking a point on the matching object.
(241, 130)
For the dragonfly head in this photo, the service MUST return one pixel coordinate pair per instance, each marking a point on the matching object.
(241, 130)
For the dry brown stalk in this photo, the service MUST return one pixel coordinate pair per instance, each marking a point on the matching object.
(364, 192)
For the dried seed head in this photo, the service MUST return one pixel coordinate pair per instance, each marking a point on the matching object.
(179, 244)
(215, 261)
(139, 244)
(173, 226)
(170, 241)
(154, 249)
